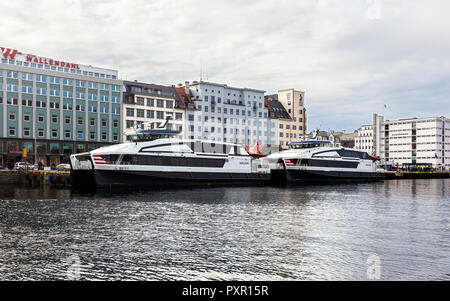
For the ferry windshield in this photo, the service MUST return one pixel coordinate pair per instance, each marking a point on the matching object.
(147, 137)
(309, 145)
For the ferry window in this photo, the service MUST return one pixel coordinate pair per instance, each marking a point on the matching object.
(127, 160)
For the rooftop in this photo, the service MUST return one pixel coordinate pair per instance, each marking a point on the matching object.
(196, 83)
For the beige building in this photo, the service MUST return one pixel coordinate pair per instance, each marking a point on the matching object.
(291, 129)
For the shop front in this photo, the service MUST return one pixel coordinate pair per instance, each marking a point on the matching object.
(48, 153)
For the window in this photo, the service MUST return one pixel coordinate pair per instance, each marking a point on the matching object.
(104, 98)
(150, 102)
(67, 134)
(12, 88)
(103, 135)
(55, 93)
(80, 84)
(159, 115)
(160, 103)
(67, 82)
(27, 76)
(67, 119)
(150, 114)
(26, 117)
(41, 78)
(80, 120)
(115, 137)
(140, 101)
(104, 122)
(178, 116)
(67, 94)
(92, 121)
(169, 104)
(115, 123)
(80, 135)
(12, 74)
(40, 132)
(140, 113)
(92, 135)
(40, 118)
(12, 131)
(80, 108)
(67, 106)
(54, 80)
(26, 132)
(54, 118)
(129, 124)
(130, 112)
(92, 96)
(54, 133)
(12, 116)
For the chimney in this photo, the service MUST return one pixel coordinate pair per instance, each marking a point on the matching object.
(186, 87)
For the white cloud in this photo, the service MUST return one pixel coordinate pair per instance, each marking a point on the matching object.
(348, 63)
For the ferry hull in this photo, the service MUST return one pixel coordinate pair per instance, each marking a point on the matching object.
(306, 177)
(159, 179)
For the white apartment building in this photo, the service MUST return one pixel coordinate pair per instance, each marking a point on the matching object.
(230, 114)
(152, 103)
(364, 139)
(421, 141)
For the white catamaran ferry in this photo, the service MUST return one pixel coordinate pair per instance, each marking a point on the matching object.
(154, 158)
(316, 162)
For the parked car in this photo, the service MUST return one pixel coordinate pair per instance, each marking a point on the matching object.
(63, 167)
(23, 166)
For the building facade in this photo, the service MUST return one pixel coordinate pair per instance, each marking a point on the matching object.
(230, 114)
(415, 141)
(293, 128)
(53, 108)
(364, 139)
(153, 103)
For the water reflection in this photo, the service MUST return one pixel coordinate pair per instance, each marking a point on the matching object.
(265, 233)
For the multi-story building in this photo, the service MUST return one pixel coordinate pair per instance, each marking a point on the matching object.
(293, 128)
(414, 141)
(230, 114)
(364, 139)
(279, 115)
(53, 108)
(143, 103)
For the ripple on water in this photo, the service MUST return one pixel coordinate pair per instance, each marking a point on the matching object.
(265, 233)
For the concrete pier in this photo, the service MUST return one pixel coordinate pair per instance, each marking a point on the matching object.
(36, 178)
(390, 175)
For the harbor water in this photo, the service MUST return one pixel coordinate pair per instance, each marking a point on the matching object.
(392, 230)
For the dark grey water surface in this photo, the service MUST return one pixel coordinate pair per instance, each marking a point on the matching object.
(265, 233)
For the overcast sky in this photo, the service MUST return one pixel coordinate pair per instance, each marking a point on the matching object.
(350, 57)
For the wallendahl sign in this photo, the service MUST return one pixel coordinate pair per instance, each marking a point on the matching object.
(11, 53)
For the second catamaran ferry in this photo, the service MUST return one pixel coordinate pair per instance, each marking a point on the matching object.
(319, 162)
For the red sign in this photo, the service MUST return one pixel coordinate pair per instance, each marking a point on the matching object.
(15, 152)
(11, 53)
(40, 60)
(8, 52)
